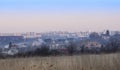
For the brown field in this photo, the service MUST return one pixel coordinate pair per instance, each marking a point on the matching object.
(82, 62)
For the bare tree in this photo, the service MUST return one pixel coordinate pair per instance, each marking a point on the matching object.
(113, 44)
(71, 48)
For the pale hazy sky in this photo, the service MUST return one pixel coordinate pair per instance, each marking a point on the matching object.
(59, 15)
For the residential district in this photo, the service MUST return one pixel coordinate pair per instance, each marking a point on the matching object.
(91, 42)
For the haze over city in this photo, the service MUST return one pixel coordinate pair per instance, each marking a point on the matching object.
(59, 34)
(60, 15)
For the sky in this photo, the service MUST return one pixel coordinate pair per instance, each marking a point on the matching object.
(59, 15)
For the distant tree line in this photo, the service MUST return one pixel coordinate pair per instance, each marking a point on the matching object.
(112, 46)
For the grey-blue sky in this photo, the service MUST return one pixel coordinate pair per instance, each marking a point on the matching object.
(59, 4)
(60, 15)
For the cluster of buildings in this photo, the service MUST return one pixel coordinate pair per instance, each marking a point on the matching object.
(13, 43)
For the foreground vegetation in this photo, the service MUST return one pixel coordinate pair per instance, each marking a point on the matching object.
(82, 62)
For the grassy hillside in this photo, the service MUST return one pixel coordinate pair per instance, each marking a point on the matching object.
(82, 62)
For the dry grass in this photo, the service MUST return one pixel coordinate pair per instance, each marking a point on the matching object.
(83, 62)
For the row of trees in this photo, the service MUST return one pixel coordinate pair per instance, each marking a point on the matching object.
(46, 51)
(113, 45)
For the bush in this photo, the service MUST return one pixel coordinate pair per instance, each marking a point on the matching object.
(43, 51)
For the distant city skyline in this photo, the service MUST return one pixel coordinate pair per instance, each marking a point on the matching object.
(59, 15)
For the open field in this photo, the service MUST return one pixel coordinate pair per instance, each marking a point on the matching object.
(83, 62)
